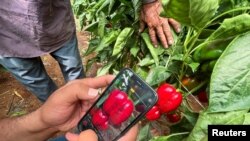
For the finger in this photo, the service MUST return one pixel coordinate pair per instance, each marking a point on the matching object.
(84, 89)
(89, 135)
(161, 36)
(142, 26)
(131, 135)
(71, 137)
(99, 82)
(86, 105)
(74, 92)
(153, 36)
(167, 31)
(175, 24)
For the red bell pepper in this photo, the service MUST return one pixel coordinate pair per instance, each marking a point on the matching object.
(173, 117)
(202, 96)
(115, 98)
(153, 113)
(100, 119)
(168, 98)
(118, 107)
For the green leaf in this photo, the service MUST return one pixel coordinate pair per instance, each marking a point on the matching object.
(157, 75)
(91, 27)
(232, 27)
(186, 124)
(126, 2)
(200, 130)
(82, 20)
(221, 37)
(111, 4)
(246, 119)
(151, 48)
(160, 50)
(195, 13)
(194, 66)
(89, 64)
(211, 50)
(178, 57)
(104, 70)
(144, 133)
(136, 7)
(226, 5)
(122, 40)
(141, 71)
(107, 40)
(93, 43)
(104, 4)
(135, 49)
(101, 24)
(230, 80)
(146, 62)
(189, 115)
(172, 137)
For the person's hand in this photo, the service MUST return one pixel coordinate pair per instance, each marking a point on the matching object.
(67, 105)
(131, 135)
(89, 135)
(158, 26)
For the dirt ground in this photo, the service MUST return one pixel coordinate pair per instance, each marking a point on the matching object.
(15, 100)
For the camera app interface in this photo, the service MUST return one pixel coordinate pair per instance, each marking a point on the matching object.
(124, 101)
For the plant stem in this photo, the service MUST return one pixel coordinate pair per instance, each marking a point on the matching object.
(166, 65)
(198, 87)
(187, 40)
(227, 12)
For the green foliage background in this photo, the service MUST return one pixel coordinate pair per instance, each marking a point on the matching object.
(212, 31)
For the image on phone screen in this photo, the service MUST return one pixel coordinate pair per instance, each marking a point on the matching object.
(124, 102)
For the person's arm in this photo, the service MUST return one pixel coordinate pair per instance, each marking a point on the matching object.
(25, 128)
(60, 112)
(158, 26)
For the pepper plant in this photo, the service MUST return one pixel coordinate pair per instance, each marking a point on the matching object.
(213, 46)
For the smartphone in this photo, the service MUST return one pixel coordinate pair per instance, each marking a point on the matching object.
(122, 104)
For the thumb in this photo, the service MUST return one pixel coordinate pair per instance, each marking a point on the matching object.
(71, 137)
(89, 135)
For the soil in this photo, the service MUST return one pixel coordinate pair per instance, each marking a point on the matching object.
(15, 100)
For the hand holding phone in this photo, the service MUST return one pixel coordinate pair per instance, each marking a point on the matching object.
(125, 101)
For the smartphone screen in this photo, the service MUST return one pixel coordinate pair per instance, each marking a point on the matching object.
(124, 102)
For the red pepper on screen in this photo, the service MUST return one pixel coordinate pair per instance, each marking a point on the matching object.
(100, 119)
(118, 107)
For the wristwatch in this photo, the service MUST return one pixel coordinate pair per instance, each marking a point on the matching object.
(148, 1)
